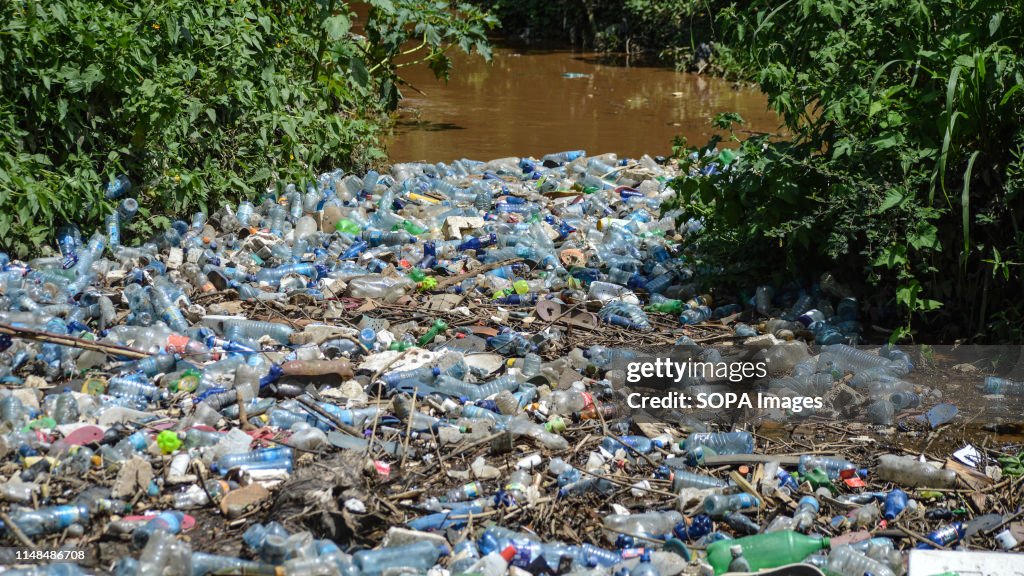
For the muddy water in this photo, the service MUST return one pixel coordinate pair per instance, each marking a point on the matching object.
(530, 102)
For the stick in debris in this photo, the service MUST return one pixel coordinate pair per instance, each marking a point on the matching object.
(65, 340)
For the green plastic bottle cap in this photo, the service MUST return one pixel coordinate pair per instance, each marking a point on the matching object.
(168, 441)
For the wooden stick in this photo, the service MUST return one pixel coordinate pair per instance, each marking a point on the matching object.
(310, 406)
(16, 531)
(447, 281)
(65, 340)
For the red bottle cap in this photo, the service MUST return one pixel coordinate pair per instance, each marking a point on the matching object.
(508, 553)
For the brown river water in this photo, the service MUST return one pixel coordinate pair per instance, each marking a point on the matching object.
(523, 104)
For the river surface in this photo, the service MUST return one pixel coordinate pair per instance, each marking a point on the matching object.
(531, 102)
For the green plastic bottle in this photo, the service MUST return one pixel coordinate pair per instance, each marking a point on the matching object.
(667, 307)
(410, 227)
(766, 550)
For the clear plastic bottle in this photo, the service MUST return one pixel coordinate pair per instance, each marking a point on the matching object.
(630, 444)
(267, 458)
(203, 563)
(845, 561)
(196, 497)
(832, 466)
(905, 471)
(682, 479)
(169, 521)
(49, 520)
(717, 505)
(625, 314)
(739, 442)
(806, 513)
(763, 299)
(569, 401)
(543, 434)
(424, 374)
(842, 358)
(651, 524)
(255, 329)
(1004, 386)
(419, 556)
(65, 408)
(164, 554)
(464, 555)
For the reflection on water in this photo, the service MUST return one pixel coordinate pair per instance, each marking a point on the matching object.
(542, 101)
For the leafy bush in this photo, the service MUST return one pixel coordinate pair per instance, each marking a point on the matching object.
(903, 168)
(197, 101)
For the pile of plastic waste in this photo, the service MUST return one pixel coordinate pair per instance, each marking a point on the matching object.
(455, 340)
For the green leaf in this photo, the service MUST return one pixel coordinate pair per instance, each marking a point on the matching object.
(925, 236)
(358, 70)
(965, 207)
(894, 197)
(337, 26)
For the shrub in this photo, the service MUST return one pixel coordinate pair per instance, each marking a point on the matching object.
(197, 101)
(903, 165)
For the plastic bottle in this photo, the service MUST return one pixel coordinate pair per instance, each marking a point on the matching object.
(650, 524)
(419, 556)
(843, 358)
(765, 550)
(945, 536)
(464, 555)
(641, 444)
(254, 329)
(763, 299)
(699, 526)
(739, 442)
(905, 471)
(267, 458)
(465, 492)
(1004, 386)
(806, 513)
(685, 479)
(48, 520)
(196, 496)
(268, 540)
(543, 434)
(739, 562)
(65, 408)
(717, 505)
(833, 467)
(168, 521)
(895, 502)
(845, 561)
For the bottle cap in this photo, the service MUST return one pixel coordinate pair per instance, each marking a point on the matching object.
(508, 553)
